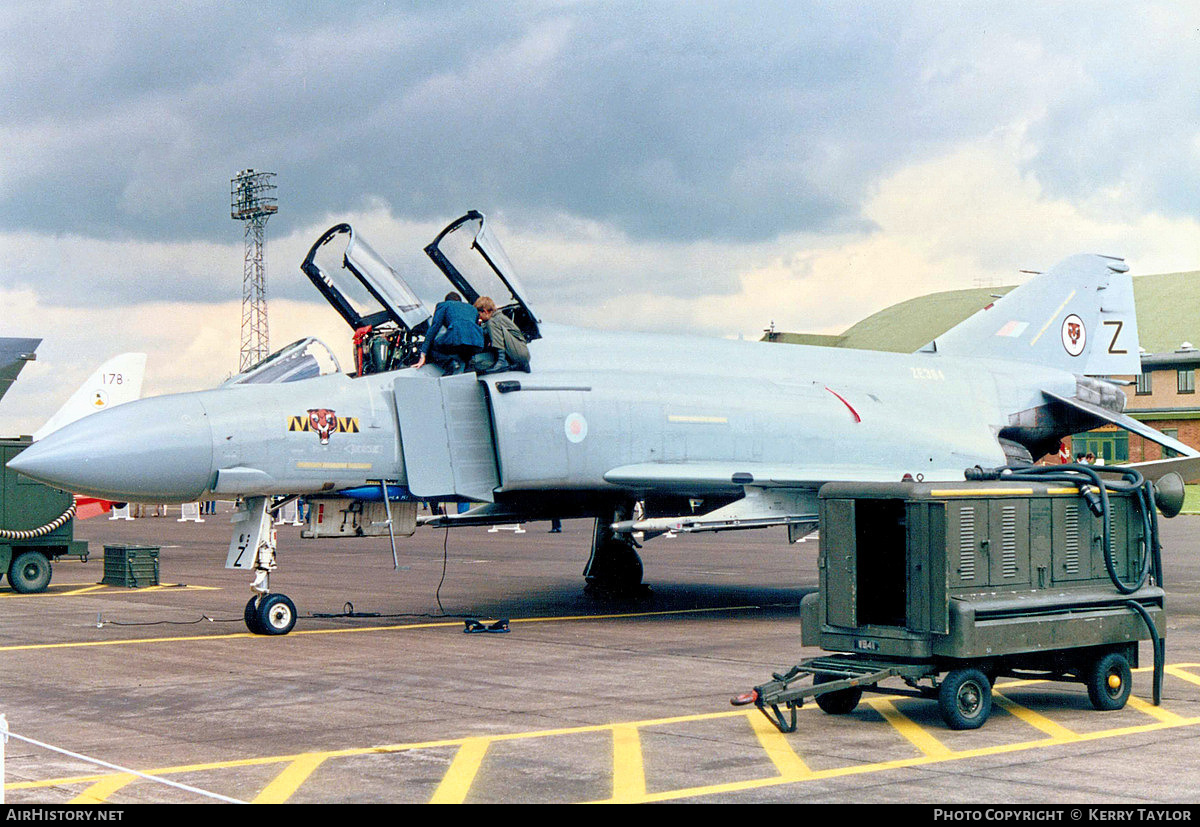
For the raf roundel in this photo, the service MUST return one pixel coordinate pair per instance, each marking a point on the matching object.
(575, 427)
(1074, 335)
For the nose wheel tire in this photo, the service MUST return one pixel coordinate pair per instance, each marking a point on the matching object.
(965, 699)
(29, 573)
(1109, 682)
(272, 614)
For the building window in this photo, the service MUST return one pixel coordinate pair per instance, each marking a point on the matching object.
(1143, 384)
(1168, 453)
(1187, 380)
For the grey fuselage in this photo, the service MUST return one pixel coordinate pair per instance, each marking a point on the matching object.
(600, 415)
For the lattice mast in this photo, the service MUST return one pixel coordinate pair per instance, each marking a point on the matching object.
(252, 203)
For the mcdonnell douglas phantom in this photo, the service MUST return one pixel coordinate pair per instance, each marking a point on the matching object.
(708, 435)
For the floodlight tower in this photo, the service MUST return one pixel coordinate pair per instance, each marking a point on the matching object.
(251, 202)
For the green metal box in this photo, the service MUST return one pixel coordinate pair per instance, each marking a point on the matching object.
(974, 570)
(131, 566)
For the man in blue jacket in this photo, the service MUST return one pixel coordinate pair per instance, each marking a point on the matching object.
(462, 339)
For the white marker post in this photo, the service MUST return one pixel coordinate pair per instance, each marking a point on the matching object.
(121, 513)
(189, 513)
(290, 513)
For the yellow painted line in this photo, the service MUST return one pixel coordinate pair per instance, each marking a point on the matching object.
(363, 629)
(856, 769)
(1058, 734)
(335, 466)
(1053, 316)
(979, 492)
(461, 775)
(1177, 671)
(691, 792)
(285, 784)
(99, 792)
(778, 749)
(931, 747)
(85, 590)
(1154, 711)
(629, 770)
(88, 588)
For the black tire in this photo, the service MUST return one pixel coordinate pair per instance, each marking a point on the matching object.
(276, 614)
(965, 699)
(251, 617)
(840, 701)
(1109, 682)
(30, 572)
(617, 568)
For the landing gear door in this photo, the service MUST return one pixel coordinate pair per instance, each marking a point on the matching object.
(475, 263)
(446, 436)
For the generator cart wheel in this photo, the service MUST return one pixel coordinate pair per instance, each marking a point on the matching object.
(965, 699)
(30, 572)
(840, 701)
(1109, 682)
(276, 614)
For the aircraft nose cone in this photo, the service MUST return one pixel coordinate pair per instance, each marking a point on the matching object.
(151, 450)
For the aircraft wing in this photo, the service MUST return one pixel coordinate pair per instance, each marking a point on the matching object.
(714, 477)
(1124, 421)
(774, 495)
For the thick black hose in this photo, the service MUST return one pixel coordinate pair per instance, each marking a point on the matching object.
(1160, 647)
(1152, 559)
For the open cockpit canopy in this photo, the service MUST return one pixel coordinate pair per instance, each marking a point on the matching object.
(472, 258)
(367, 291)
(360, 285)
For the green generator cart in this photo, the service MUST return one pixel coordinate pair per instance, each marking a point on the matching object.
(1050, 572)
(36, 525)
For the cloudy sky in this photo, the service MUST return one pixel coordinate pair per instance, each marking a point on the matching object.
(697, 167)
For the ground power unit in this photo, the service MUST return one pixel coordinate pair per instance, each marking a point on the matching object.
(1049, 572)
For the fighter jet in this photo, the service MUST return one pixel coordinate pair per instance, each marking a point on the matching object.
(707, 435)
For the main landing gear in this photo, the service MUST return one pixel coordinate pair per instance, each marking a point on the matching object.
(253, 547)
(614, 568)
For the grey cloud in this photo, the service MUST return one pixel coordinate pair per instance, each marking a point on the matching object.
(672, 122)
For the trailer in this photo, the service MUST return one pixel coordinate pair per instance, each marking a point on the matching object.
(36, 525)
(1043, 572)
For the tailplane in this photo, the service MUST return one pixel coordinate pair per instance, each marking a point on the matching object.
(1079, 316)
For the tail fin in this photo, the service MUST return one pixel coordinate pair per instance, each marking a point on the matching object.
(1079, 316)
(116, 381)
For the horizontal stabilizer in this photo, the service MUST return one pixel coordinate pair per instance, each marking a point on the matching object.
(1154, 470)
(1124, 421)
(14, 353)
